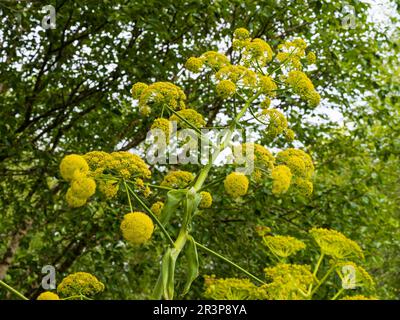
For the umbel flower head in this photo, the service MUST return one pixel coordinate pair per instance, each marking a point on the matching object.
(241, 34)
(157, 207)
(289, 281)
(109, 188)
(283, 246)
(214, 60)
(303, 86)
(299, 162)
(74, 201)
(158, 94)
(83, 187)
(281, 177)
(236, 184)
(276, 122)
(239, 75)
(137, 89)
(226, 89)
(254, 155)
(137, 227)
(194, 64)
(335, 244)
(71, 165)
(177, 179)
(354, 275)
(80, 283)
(183, 117)
(97, 161)
(303, 186)
(48, 295)
(267, 85)
(256, 51)
(128, 164)
(206, 200)
(232, 289)
(164, 125)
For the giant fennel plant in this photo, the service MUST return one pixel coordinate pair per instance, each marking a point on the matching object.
(250, 85)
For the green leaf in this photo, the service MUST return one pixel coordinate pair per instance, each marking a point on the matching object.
(193, 263)
(174, 197)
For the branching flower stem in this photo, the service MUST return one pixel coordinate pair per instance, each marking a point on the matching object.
(12, 290)
(230, 262)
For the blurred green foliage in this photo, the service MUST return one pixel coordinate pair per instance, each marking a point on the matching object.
(66, 90)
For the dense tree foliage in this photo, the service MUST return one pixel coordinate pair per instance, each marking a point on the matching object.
(67, 90)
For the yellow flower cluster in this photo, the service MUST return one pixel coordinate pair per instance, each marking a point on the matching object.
(127, 164)
(137, 89)
(303, 86)
(80, 171)
(281, 178)
(276, 122)
(361, 277)
(283, 246)
(335, 244)
(72, 165)
(302, 186)
(75, 169)
(177, 179)
(164, 125)
(156, 95)
(109, 188)
(289, 134)
(189, 115)
(206, 200)
(255, 51)
(239, 75)
(259, 156)
(292, 52)
(265, 104)
(289, 281)
(157, 208)
(47, 295)
(311, 58)
(97, 161)
(232, 289)
(241, 34)
(123, 163)
(80, 283)
(194, 64)
(214, 60)
(301, 167)
(226, 89)
(141, 187)
(267, 85)
(236, 184)
(137, 227)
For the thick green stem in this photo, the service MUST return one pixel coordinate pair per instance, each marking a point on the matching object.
(227, 139)
(11, 289)
(321, 257)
